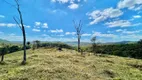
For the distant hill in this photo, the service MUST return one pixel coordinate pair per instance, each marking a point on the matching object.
(4, 41)
(75, 43)
(16, 42)
(122, 42)
(107, 43)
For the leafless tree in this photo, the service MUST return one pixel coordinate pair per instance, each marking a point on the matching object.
(20, 23)
(78, 28)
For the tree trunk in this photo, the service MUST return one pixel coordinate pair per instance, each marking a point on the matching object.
(2, 57)
(78, 44)
(24, 44)
(24, 34)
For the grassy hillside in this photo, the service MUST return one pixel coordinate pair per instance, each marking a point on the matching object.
(50, 64)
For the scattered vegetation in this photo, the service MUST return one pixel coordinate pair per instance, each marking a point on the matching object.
(132, 50)
(59, 61)
(51, 64)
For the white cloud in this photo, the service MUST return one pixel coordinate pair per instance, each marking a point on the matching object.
(56, 31)
(98, 16)
(61, 35)
(63, 1)
(57, 11)
(45, 35)
(99, 34)
(130, 32)
(121, 23)
(41, 25)
(130, 4)
(136, 16)
(129, 37)
(86, 34)
(7, 25)
(53, 0)
(37, 23)
(67, 1)
(119, 30)
(124, 31)
(27, 26)
(12, 25)
(36, 30)
(70, 33)
(45, 25)
(12, 34)
(2, 16)
(73, 6)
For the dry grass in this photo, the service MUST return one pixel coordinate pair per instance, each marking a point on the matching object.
(50, 64)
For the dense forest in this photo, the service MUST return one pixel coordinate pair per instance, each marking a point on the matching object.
(133, 50)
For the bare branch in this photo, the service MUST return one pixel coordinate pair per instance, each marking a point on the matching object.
(9, 3)
(17, 22)
(78, 27)
(75, 24)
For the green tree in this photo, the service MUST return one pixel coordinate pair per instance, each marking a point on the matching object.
(28, 43)
(3, 51)
(36, 44)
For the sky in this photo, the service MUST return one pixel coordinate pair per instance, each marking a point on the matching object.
(52, 20)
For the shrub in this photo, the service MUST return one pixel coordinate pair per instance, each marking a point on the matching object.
(14, 48)
(132, 50)
(56, 44)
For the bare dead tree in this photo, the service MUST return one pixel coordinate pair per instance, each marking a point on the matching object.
(78, 28)
(21, 25)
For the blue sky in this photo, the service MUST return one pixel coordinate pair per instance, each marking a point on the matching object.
(52, 20)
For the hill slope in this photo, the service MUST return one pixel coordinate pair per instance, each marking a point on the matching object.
(4, 41)
(50, 64)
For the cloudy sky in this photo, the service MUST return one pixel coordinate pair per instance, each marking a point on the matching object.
(52, 20)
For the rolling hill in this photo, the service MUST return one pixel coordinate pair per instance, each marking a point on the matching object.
(4, 41)
(51, 64)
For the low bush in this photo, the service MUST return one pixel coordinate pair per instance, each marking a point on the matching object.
(56, 44)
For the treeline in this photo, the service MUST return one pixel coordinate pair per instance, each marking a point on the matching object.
(38, 44)
(34, 45)
(125, 50)
(6, 49)
(10, 49)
